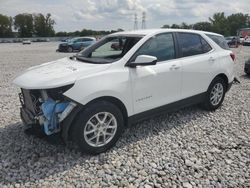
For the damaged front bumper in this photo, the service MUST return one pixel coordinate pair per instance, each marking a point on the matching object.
(45, 108)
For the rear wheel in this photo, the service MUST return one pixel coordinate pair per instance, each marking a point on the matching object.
(98, 127)
(215, 94)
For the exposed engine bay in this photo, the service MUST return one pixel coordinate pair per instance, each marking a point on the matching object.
(45, 108)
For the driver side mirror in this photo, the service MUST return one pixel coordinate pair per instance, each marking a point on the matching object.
(143, 60)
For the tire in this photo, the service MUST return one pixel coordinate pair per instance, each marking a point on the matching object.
(70, 49)
(87, 128)
(215, 94)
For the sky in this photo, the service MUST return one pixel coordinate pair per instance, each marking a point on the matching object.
(72, 15)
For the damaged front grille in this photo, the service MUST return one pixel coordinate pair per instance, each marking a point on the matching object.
(45, 107)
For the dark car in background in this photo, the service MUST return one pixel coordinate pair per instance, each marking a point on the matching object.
(247, 67)
(76, 44)
(233, 41)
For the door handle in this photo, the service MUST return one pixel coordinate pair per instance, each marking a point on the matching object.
(174, 67)
(211, 59)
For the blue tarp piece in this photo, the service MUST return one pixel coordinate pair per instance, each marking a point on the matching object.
(50, 110)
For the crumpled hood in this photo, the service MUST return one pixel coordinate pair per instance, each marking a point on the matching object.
(56, 74)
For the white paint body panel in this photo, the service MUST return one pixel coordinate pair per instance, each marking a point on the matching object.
(139, 89)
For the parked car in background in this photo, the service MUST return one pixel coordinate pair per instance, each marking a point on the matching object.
(247, 67)
(246, 42)
(76, 44)
(91, 97)
(233, 41)
(26, 41)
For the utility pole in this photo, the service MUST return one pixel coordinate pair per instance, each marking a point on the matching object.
(143, 23)
(135, 22)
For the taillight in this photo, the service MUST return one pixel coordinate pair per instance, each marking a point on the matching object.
(232, 56)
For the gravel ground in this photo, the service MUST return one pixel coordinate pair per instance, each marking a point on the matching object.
(190, 148)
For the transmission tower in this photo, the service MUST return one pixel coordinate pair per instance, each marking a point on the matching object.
(143, 22)
(135, 22)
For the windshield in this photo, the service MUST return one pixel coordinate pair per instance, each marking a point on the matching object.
(108, 50)
(71, 40)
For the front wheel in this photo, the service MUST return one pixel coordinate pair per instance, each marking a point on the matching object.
(70, 49)
(215, 94)
(98, 127)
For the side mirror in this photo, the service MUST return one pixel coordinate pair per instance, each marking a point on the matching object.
(143, 60)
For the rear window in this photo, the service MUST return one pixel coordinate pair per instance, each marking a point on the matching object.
(190, 44)
(219, 40)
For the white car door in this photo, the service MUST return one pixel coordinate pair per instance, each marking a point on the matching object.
(198, 64)
(156, 85)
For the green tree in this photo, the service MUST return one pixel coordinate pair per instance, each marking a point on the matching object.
(5, 26)
(24, 24)
(43, 25)
(175, 26)
(165, 26)
(220, 23)
(237, 21)
(203, 26)
(185, 26)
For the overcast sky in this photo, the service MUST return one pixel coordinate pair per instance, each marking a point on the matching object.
(71, 15)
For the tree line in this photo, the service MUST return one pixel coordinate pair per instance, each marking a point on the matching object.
(27, 25)
(39, 25)
(218, 23)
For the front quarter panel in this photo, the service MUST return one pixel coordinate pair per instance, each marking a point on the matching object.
(115, 83)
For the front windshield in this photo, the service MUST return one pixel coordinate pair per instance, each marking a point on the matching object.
(71, 40)
(108, 50)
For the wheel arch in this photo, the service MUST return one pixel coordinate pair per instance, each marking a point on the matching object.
(224, 77)
(67, 125)
(114, 101)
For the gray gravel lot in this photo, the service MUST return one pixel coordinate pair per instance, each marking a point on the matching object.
(188, 148)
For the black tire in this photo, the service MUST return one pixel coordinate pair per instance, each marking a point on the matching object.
(83, 118)
(208, 104)
(70, 49)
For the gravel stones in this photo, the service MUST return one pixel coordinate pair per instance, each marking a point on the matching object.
(188, 148)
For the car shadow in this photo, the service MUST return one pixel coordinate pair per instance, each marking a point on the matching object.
(29, 158)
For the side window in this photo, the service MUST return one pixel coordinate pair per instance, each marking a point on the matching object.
(219, 40)
(205, 46)
(190, 44)
(160, 46)
(86, 39)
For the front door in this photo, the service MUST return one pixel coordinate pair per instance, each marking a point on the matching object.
(156, 85)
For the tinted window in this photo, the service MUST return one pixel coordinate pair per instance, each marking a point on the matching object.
(190, 44)
(160, 46)
(205, 46)
(219, 40)
(86, 39)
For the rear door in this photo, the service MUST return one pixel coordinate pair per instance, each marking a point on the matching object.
(198, 63)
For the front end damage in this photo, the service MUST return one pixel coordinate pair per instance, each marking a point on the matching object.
(46, 108)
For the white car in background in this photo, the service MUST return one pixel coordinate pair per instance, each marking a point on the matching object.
(26, 41)
(91, 97)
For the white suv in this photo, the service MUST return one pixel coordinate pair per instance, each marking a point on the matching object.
(92, 96)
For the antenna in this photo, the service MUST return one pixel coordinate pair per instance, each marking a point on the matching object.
(135, 22)
(143, 22)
